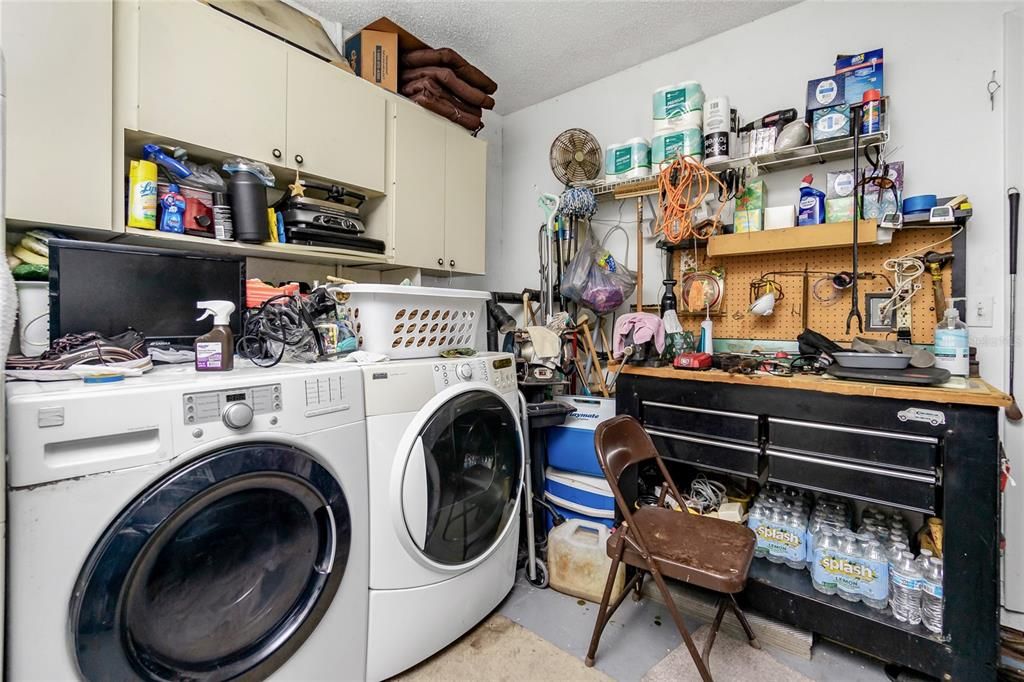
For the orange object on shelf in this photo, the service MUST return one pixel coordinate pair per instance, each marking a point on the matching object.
(258, 292)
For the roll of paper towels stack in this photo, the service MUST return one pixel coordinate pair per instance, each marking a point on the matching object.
(678, 122)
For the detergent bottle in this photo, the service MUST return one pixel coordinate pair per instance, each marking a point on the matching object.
(952, 343)
(812, 203)
(215, 352)
(172, 210)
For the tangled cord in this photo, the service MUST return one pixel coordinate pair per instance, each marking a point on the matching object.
(283, 321)
(682, 185)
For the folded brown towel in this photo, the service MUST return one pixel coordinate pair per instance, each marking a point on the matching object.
(448, 78)
(445, 108)
(446, 56)
(431, 87)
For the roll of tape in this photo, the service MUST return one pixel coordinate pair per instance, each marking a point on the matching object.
(920, 203)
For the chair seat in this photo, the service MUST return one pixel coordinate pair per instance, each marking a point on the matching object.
(700, 550)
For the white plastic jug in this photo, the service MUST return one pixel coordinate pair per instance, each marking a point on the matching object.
(578, 562)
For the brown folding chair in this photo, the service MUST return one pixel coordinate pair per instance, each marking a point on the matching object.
(699, 550)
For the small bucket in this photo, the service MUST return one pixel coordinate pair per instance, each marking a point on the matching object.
(33, 317)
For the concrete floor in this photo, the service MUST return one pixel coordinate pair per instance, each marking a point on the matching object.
(641, 634)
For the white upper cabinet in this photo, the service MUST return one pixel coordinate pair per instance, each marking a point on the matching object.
(59, 59)
(465, 201)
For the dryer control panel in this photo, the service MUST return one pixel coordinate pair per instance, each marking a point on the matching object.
(498, 372)
(213, 406)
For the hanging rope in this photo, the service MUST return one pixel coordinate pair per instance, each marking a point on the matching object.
(682, 185)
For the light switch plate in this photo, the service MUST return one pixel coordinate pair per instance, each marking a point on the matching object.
(980, 310)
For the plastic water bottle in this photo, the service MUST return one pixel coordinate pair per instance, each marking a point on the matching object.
(874, 553)
(757, 516)
(850, 548)
(776, 520)
(797, 522)
(826, 545)
(905, 597)
(922, 560)
(931, 596)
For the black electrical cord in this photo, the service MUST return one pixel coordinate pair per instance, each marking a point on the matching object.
(281, 322)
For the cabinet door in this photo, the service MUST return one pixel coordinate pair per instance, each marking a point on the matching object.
(336, 123)
(59, 95)
(418, 192)
(210, 80)
(465, 201)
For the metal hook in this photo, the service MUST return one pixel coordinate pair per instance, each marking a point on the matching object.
(992, 86)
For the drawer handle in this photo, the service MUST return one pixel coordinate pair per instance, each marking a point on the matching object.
(700, 410)
(917, 478)
(440, 261)
(860, 432)
(703, 441)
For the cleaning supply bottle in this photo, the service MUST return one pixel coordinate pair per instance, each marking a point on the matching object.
(952, 343)
(172, 210)
(707, 343)
(812, 203)
(142, 195)
(215, 352)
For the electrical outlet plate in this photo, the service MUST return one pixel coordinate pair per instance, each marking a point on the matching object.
(979, 311)
(903, 317)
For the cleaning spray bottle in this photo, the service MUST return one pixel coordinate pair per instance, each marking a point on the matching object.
(952, 342)
(215, 352)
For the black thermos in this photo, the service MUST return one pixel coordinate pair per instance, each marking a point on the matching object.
(248, 197)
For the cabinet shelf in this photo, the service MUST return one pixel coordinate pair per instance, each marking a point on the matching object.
(806, 238)
(288, 252)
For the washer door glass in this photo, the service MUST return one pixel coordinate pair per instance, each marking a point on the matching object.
(220, 569)
(463, 478)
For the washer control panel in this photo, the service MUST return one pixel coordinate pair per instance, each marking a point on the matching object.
(325, 395)
(498, 372)
(234, 406)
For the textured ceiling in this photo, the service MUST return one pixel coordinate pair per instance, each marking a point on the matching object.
(536, 50)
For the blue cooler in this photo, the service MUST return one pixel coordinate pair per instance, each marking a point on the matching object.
(579, 497)
(571, 446)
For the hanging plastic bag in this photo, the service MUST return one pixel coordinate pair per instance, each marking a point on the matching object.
(609, 284)
(574, 279)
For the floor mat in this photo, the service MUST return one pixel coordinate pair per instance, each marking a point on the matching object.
(498, 650)
(731, 659)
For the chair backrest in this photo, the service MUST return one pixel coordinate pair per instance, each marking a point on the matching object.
(620, 442)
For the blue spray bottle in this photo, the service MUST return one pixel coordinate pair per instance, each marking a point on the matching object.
(812, 203)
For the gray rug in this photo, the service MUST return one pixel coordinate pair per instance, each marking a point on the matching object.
(731, 660)
(499, 650)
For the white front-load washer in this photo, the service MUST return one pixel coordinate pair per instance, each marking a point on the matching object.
(446, 469)
(189, 526)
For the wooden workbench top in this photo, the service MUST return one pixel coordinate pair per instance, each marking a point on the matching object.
(976, 391)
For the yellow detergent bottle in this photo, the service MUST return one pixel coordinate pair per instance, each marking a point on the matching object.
(142, 195)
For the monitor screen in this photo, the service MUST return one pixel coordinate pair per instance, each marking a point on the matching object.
(108, 288)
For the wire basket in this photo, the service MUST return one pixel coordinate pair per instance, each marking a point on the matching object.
(415, 322)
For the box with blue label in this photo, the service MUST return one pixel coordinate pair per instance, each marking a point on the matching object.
(571, 446)
(861, 72)
(576, 496)
(826, 92)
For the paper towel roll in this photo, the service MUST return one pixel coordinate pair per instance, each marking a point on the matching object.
(664, 147)
(716, 129)
(628, 160)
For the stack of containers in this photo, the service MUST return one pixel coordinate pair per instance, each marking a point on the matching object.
(574, 483)
(678, 122)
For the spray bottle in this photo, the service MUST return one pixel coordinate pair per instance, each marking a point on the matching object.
(952, 342)
(215, 352)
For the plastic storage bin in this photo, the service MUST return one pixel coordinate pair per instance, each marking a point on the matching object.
(571, 446)
(415, 322)
(578, 563)
(575, 496)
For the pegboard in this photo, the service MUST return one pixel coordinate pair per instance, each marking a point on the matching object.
(736, 322)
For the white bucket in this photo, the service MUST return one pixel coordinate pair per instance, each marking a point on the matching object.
(33, 317)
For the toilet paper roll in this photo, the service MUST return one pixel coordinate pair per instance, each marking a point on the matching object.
(672, 101)
(688, 142)
(691, 119)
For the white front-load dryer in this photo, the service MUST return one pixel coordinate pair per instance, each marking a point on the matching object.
(189, 526)
(446, 470)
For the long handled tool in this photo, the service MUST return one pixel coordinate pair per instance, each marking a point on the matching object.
(855, 302)
(1013, 412)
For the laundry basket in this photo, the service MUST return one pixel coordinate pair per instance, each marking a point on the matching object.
(415, 322)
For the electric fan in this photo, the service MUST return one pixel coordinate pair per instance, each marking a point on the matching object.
(575, 156)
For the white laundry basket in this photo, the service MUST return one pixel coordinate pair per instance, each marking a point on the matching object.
(416, 322)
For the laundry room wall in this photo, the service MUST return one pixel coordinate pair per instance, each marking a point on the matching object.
(942, 125)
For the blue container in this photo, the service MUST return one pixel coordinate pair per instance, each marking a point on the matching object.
(571, 446)
(579, 497)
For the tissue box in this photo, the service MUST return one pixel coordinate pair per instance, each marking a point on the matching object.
(748, 221)
(839, 184)
(826, 92)
(777, 217)
(749, 207)
(839, 210)
(861, 72)
(830, 123)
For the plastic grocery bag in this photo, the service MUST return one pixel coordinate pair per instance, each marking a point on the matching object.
(574, 279)
(609, 284)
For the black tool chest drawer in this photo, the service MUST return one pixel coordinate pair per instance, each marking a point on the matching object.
(905, 451)
(892, 468)
(711, 439)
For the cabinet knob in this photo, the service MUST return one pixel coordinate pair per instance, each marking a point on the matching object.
(298, 158)
(440, 261)
(277, 153)
(451, 263)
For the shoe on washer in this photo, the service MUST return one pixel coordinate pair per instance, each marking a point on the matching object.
(127, 350)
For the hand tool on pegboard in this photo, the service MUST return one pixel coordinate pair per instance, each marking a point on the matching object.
(855, 298)
(1013, 412)
(935, 261)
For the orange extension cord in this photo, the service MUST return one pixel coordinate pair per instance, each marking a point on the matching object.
(680, 199)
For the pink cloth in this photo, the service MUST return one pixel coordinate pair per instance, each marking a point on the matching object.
(643, 326)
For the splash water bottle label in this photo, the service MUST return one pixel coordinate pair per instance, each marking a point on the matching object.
(819, 570)
(782, 540)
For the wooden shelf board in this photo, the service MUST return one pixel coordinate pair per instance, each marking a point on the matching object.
(806, 238)
(289, 252)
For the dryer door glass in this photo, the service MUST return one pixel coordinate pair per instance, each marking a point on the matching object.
(220, 569)
(472, 459)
